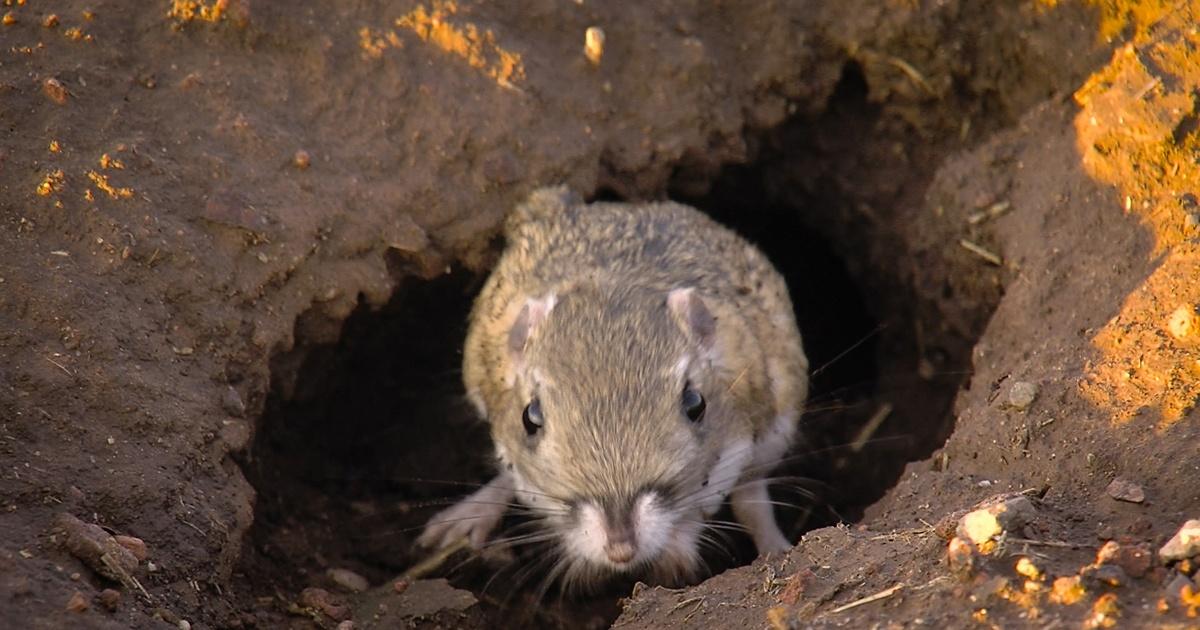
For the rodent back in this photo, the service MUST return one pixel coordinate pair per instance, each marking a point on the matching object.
(659, 245)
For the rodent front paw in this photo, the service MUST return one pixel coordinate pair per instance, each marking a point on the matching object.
(472, 518)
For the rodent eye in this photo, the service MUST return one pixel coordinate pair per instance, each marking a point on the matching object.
(532, 417)
(692, 404)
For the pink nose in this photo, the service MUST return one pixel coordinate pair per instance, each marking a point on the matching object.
(620, 551)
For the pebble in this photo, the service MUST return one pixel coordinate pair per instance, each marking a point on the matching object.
(1176, 585)
(1184, 544)
(231, 402)
(1134, 559)
(961, 557)
(55, 90)
(1022, 394)
(320, 599)
(593, 44)
(77, 603)
(1125, 490)
(1107, 574)
(137, 546)
(1029, 569)
(110, 599)
(96, 548)
(982, 525)
(301, 159)
(184, 624)
(1184, 322)
(348, 580)
(1067, 590)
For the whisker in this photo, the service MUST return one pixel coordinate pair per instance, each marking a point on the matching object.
(854, 346)
(470, 484)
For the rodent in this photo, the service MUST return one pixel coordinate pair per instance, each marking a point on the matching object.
(638, 364)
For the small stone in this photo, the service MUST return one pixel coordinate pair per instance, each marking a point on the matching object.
(110, 599)
(9, 19)
(348, 580)
(301, 159)
(1106, 574)
(184, 624)
(983, 524)
(1067, 590)
(960, 555)
(346, 625)
(1105, 612)
(95, 548)
(1022, 394)
(77, 603)
(1027, 568)
(321, 600)
(50, 21)
(1175, 587)
(1184, 544)
(135, 545)
(1125, 490)
(1187, 567)
(593, 44)
(1135, 560)
(231, 402)
(17, 586)
(400, 586)
(1184, 323)
(55, 90)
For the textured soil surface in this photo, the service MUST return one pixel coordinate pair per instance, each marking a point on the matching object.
(238, 242)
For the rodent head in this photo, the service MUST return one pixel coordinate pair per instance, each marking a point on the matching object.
(617, 427)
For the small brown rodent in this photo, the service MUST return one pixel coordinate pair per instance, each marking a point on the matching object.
(638, 364)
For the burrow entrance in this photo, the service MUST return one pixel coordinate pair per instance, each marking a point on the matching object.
(366, 433)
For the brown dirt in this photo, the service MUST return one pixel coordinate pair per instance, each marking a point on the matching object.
(238, 240)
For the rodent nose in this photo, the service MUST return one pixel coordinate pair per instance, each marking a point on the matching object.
(620, 546)
(619, 551)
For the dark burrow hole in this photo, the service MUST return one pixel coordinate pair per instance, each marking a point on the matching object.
(366, 433)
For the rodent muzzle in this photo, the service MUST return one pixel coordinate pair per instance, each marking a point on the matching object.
(619, 534)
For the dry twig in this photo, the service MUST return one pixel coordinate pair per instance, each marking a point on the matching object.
(884, 594)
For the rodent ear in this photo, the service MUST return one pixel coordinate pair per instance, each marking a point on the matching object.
(531, 316)
(546, 202)
(693, 315)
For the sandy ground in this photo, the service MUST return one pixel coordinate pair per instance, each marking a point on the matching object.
(238, 241)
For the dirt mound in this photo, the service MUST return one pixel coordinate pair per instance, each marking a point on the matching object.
(239, 239)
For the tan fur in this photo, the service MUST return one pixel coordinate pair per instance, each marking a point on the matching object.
(555, 242)
(604, 359)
